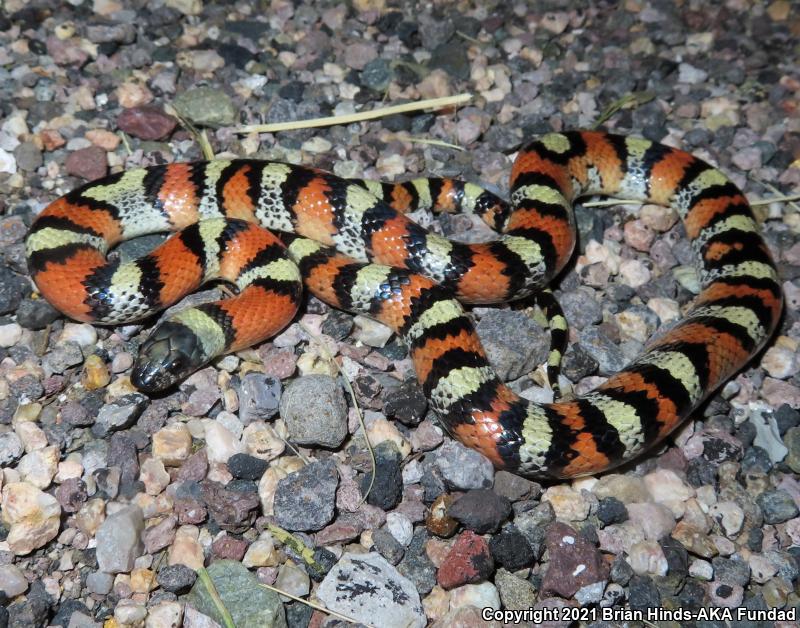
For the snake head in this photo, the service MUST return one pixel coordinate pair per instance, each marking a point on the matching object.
(170, 354)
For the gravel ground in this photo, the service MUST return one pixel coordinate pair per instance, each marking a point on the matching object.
(111, 500)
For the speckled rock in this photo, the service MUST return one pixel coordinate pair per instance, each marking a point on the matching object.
(373, 592)
(305, 499)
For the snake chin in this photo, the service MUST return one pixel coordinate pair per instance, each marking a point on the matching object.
(169, 355)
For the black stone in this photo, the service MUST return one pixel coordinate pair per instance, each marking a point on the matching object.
(129, 489)
(388, 486)
(406, 403)
(398, 122)
(176, 578)
(408, 32)
(324, 560)
(510, 548)
(252, 29)
(755, 539)
(756, 459)
(610, 510)
(621, 571)
(786, 417)
(731, 570)
(676, 555)
(376, 75)
(481, 510)
(692, 595)
(298, 615)
(13, 289)
(65, 611)
(36, 313)
(452, 58)
(746, 433)
(246, 467)
(701, 472)
(293, 90)
(234, 54)
(34, 611)
(643, 593)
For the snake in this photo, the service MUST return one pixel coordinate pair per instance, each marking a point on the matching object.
(352, 244)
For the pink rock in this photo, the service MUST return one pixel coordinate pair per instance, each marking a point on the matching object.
(574, 562)
(66, 51)
(359, 54)
(229, 547)
(195, 467)
(638, 235)
(147, 122)
(279, 363)
(777, 392)
(89, 163)
(161, 535)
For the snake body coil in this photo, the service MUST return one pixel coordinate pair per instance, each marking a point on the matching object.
(354, 248)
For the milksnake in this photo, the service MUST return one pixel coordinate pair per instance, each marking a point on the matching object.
(353, 247)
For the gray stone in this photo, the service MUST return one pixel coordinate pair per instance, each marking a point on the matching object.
(28, 156)
(82, 620)
(514, 591)
(12, 581)
(452, 58)
(106, 33)
(99, 582)
(11, 448)
(250, 605)
(62, 357)
(12, 290)
(767, 435)
(259, 397)
(368, 589)
(119, 540)
(315, 411)
(463, 468)
(581, 307)
(777, 506)
(205, 106)
(792, 440)
(609, 356)
(119, 414)
(515, 344)
(305, 499)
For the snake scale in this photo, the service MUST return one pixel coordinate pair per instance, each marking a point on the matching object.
(353, 247)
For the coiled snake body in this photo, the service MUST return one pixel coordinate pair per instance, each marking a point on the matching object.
(354, 248)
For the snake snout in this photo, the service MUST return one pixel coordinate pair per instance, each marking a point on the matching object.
(169, 355)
